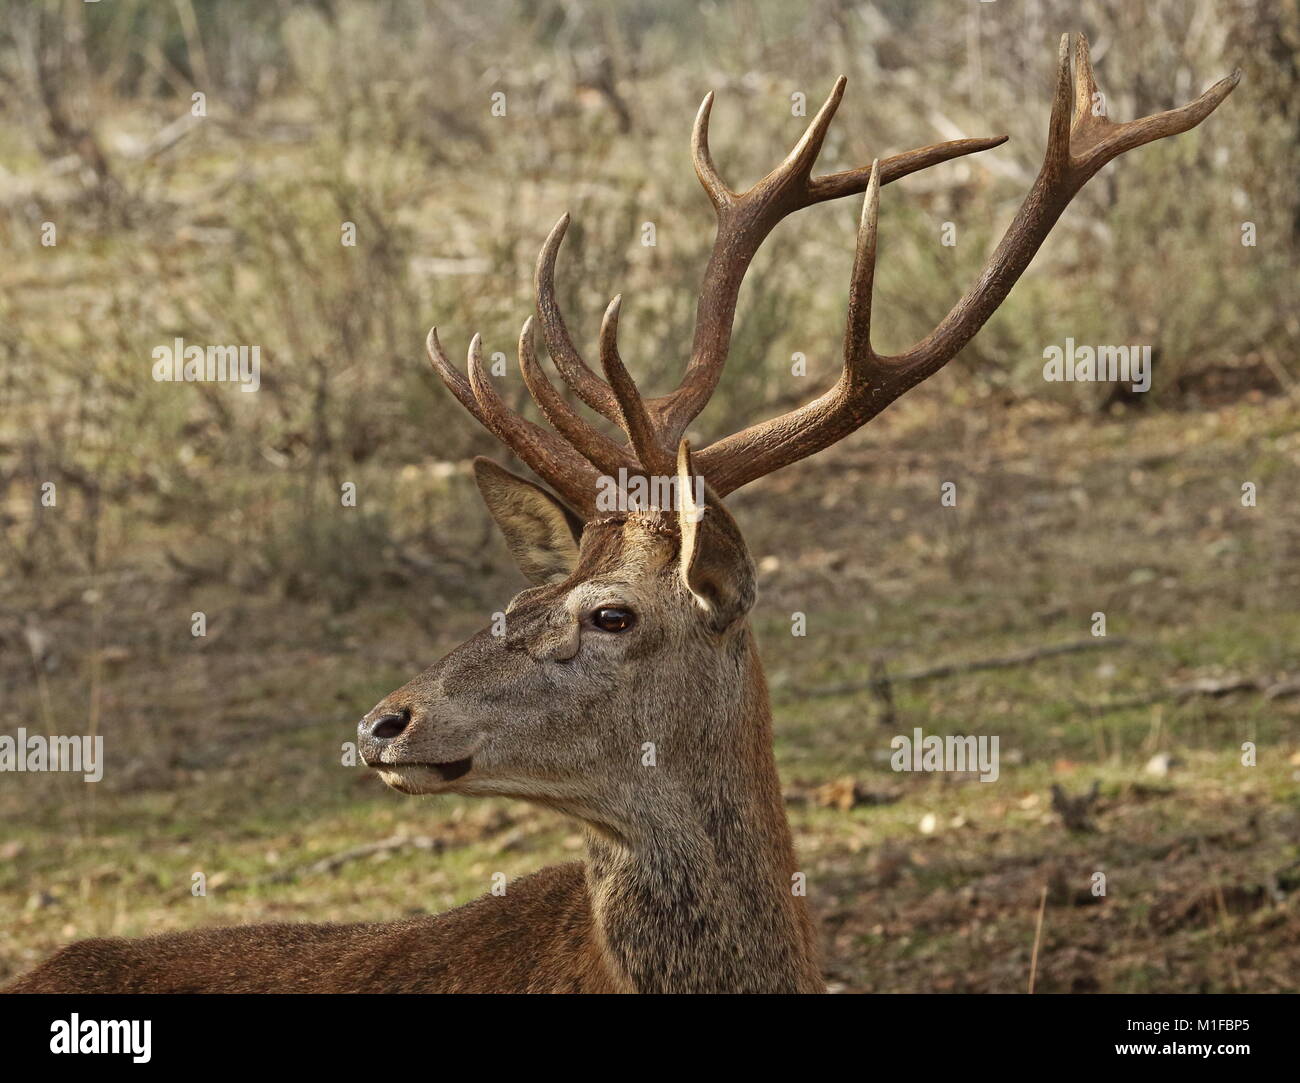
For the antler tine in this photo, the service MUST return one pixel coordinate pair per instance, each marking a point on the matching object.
(1056, 157)
(707, 172)
(858, 354)
(1085, 83)
(654, 457)
(451, 376)
(745, 220)
(1079, 143)
(550, 458)
(852, 181)
(595, 446)
(803, 156)
(589, 387)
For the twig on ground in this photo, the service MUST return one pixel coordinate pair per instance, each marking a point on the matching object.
(334, 862)
(1204, 686)
(1038, 937)
(949, 669)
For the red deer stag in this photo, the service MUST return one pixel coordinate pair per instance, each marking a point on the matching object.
(632, 637)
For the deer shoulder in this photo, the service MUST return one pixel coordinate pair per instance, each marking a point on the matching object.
(535, 938)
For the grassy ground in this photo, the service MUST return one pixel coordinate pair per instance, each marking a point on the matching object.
(224, 752)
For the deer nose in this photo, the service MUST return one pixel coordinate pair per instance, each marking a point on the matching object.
(388, 726)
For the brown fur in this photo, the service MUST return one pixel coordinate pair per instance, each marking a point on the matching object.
(536, 938)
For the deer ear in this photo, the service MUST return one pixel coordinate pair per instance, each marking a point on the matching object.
(541, 532)
(714, 561)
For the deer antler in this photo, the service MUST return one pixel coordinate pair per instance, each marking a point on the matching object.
(1077, 147)
(1079, 143)
(559, 463)
(589, 387)
(744, 221)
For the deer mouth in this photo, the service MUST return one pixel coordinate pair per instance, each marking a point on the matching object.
(447, 772)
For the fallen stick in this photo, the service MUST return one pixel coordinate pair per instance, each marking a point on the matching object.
(1038, 938)
(949, 669)
(330, 863)
(334, 862)
(1202, 686)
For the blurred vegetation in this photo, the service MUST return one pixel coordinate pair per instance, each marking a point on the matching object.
(226, 229)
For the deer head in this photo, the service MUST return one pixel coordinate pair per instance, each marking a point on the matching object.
(624, 639)
(632, 643)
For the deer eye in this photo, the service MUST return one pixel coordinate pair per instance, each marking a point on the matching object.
(613, 619)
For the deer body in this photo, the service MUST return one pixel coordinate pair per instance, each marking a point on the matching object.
(626, 691)
(537, 938)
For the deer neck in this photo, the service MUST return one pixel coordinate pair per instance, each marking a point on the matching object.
(697, 890)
